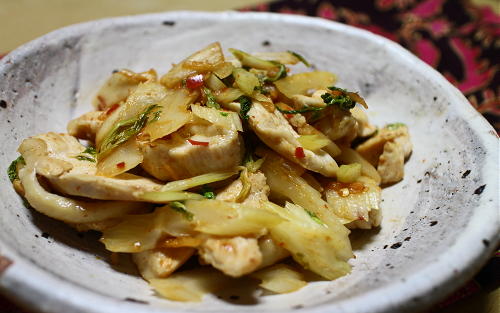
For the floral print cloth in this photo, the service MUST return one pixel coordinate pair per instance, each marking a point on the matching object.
(458, 38)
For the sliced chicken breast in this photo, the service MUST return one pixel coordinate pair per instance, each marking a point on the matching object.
(387, 150)
(276, 132)
(56, 157)
(234, 256)
(197, 148)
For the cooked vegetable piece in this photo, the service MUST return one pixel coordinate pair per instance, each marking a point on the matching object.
(118, 87)
(313, 142)
(192, 285)
(317, 247)
(271, 252)
(301, 83)
(214, 83)
(246, 81)
(349, 173)
(168, 196)
(173, 114)
(281, 57)
(222, 218)
(300, 57)
(349, 156)
(226, 119)
(358, 201)
(227, 95)
(146, 95)
(180, 185)
(204, 60)
(125, 130)
(286, 182)
(123, 158)
(223, 70)
(141, 232)
(280, 278)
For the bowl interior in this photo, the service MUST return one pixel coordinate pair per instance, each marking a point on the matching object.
(428, 217)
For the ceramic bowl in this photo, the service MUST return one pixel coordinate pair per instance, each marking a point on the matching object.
(440, 223)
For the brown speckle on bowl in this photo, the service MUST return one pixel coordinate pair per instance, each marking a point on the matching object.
(396, 245)
(168, 23)
(3, 104)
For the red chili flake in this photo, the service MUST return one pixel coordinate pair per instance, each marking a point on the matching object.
(198, 143)
(112, 108)
(288, 116)
(299, 153)
(120, 165)
(195, 81)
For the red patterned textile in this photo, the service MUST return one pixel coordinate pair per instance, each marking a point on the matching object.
(459, 39)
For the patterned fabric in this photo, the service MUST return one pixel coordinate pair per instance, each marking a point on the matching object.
(459, 39)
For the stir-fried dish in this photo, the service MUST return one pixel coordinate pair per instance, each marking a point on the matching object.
(237, 162)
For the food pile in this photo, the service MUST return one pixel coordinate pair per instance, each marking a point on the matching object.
(237, 162)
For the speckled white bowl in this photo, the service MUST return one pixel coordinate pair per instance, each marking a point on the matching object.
(440, 224)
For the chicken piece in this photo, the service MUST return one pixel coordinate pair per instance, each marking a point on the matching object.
(235, 256)
(340, 126)
(391, 163)
(160, 263)
(86, 126)
(67, 209)
(387, 151)
(197, 148)
(276, 132)
(54, 157)
(259, 190)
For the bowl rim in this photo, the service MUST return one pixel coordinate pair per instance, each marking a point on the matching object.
(31, 286)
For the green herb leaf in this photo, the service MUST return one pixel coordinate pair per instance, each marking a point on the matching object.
(181, 208)
(314, 217)
(304, 109)
(224, 114)
(88, 154)
(12, 169)
(211, 101)
(394, 126)
(124, 130)
(344, 101)
(245, 106)
(281, 73)
(300, 57)
(207, 192)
